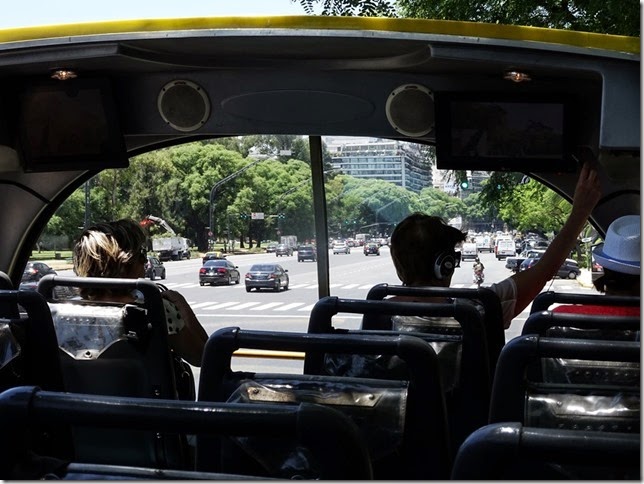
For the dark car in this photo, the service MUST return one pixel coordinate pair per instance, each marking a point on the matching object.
(153, 268)
(219, 271)
(514, 263)
(212, 256)
(283, 249)
(34, 271)
(306, 252)
(568, 270)
(371, 248)
(267, 276)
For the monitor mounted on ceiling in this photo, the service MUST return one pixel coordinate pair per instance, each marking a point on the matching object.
(503, 132)
(70, 125)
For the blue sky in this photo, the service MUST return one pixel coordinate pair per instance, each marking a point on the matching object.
(47, 12)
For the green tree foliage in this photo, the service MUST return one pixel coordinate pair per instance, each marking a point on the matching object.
(535, 207)
(348, 8)
(619, 17)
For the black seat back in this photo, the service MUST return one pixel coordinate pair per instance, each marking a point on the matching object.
(582, 326)
(124, 352)
(312, 425)
(488, 299)
(31, 358)
(417, 404)
(512, 451)
(544, 300)
(461, 346)
(568, 384)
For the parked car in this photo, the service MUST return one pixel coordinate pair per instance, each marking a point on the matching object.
(34, 271)
(341, 248)
(514, 263)
(212, 256)
(153, 268)
(270, 248)
(371, 248)
(283, 249)
(219, 271)
(266, 276)
(306, 252)
(568, 270)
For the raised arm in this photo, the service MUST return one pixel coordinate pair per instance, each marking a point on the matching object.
(531, 281)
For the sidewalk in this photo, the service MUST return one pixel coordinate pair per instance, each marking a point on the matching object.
(59, 264)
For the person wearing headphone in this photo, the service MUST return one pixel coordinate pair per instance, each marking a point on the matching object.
(422, 249)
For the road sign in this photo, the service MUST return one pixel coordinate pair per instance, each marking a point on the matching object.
(210, 234)
(257, 215)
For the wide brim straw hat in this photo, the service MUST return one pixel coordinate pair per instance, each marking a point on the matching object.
(621, 250)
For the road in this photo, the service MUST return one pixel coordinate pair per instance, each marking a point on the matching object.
(351, 276)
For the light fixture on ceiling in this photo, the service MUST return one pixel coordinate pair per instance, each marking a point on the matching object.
(63, 74)
(516, 76)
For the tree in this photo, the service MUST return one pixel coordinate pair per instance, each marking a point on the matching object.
(618, 17)
(348, 8)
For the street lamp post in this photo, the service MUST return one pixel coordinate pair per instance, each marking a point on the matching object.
(220, 183)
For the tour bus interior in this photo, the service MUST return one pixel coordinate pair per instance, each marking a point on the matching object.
(76, 101)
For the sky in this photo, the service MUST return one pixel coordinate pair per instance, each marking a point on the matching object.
(46, 12)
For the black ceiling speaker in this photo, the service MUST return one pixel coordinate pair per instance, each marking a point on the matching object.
(184, 105)
(410, 110)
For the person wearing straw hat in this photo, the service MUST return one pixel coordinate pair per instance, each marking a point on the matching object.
(620, 256)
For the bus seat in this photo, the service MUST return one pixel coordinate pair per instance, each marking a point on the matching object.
(546, 299)
(408, 441)
(597, 388)
(31, 357)
(582, 326)
(7, 309)
(310, 424)
(487, 299)
(460, 345)
(512, 451)
(118, 350)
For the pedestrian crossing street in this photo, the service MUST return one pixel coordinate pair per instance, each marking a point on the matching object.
(225, 304)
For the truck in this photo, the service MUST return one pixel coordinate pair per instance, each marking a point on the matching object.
(484, 243)
(168, 248)
(362, 239)
(289, 241)
(171, 248)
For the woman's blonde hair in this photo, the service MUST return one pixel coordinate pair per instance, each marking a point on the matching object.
(109, 249)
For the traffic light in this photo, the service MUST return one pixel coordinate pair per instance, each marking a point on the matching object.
(465, 184)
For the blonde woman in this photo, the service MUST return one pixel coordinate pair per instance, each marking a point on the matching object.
(118, 250)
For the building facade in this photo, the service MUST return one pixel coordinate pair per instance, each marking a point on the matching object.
(394, 161)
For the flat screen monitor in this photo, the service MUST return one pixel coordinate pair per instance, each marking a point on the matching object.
(70, 125)
(503, 133)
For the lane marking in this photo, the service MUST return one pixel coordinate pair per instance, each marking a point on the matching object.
(221, 305)
(242, 306)
(202, 304)
(288, 306)
(267, 306)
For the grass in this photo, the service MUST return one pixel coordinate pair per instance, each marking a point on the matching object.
(50, 254)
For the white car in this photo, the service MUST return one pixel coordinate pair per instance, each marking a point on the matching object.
(341, 248)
